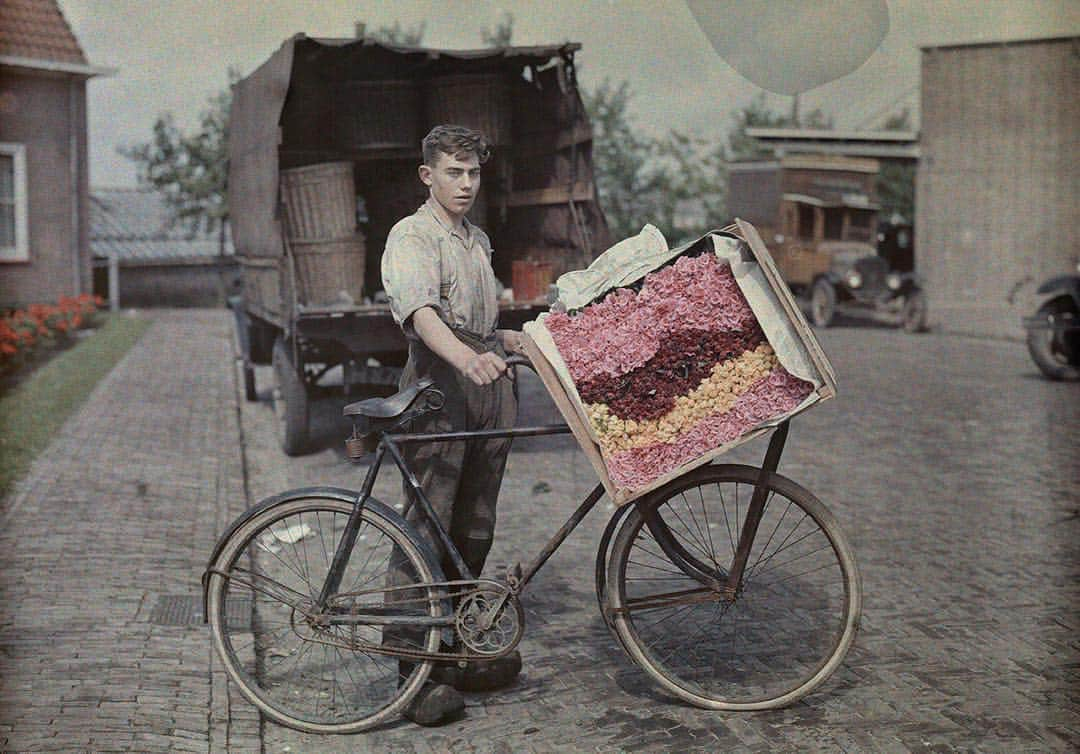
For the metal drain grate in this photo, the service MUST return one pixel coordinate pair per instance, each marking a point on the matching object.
(187, 610)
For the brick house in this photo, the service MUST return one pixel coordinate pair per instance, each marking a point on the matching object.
(44, 195)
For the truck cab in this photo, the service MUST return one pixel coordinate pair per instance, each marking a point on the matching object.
(819, 215)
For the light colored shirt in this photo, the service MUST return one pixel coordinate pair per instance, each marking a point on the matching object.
(430, 263)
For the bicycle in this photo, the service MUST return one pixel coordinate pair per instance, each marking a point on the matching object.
(731, 586)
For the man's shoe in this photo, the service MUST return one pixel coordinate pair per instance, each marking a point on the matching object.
(434, 704)
(480, 675)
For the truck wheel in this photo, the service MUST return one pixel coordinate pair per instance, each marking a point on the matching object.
(1049, 350)
(913, 315)
(822, 303)
(290, 401)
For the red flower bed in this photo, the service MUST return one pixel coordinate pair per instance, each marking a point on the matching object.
(25, 331)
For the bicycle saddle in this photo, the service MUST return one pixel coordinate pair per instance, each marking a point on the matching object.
(392, 407)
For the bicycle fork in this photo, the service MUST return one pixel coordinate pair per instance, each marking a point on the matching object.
(754, 513)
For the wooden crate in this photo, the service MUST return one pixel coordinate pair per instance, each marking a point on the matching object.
(570, 406)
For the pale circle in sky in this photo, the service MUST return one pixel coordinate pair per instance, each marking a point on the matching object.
(791, 46)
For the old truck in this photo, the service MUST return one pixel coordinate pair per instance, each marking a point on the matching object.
(818, 215)
(324, 146)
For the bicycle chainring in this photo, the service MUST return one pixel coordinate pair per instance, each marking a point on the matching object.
(489, 620)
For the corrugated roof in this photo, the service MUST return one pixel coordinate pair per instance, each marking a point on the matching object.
(1073, 37)
(136, 224)
(37, 29)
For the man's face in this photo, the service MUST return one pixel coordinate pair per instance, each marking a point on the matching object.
(454, 181)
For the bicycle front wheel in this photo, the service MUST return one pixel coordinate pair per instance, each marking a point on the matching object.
(306, 675)
(784, 631)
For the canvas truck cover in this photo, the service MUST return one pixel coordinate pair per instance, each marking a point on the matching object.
(261, 99)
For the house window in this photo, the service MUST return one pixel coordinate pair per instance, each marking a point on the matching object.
(14, 243)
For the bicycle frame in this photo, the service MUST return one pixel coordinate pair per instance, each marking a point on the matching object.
(517, 580)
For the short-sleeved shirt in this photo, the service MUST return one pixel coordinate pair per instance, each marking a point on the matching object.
(430, 263)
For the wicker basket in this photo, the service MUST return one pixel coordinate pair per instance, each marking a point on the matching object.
(376, 114)
(477, 101)
(330, 272)
(320, 201)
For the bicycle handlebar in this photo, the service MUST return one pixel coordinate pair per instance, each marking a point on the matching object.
(519, 360)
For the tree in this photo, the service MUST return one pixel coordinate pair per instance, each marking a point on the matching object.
(501, 35)
(641, 179)
(755, 115)
(620, 156)
(758, 115)
(394, 35)
(896, 181)
(190, 169)
(687, 171)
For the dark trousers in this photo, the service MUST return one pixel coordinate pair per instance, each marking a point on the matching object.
(461, 479)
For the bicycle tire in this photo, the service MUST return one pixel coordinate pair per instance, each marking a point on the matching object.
(783, 656)
(251, 664)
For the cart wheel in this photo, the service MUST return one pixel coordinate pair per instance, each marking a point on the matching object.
(913, 317)
(249, 384)
(290, 401)
(822, 303)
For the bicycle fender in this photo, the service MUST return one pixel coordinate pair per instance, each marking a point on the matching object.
(326, 493)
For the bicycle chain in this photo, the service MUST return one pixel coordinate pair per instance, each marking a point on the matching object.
(454, 591)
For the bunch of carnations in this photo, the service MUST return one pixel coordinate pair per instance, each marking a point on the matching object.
(674, 370)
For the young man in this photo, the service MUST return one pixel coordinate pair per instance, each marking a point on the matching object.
(436, 271)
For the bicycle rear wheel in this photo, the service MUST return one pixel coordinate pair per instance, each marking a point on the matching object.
(792, 619)
(316, 678)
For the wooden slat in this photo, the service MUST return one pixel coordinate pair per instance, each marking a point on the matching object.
(257, 261)
(569, 411)
(790, 305)
(583, 192)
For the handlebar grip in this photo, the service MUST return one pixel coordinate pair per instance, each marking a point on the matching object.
(519, 360)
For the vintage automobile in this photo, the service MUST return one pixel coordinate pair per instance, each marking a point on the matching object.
(880, 280)
(820, 219)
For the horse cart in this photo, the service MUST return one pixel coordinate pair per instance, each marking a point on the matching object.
(324, 145)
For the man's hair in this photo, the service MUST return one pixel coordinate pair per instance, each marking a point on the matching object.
(456, 141)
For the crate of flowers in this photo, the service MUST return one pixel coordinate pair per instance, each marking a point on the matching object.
(661, 359)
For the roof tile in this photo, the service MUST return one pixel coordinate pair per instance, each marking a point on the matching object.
(37, 29)
(136, 223)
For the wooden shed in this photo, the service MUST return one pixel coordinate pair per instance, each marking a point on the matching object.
(996, 209)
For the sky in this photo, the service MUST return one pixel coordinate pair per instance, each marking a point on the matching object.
(172, 55)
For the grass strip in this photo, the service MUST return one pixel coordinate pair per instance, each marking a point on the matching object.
(36, 408)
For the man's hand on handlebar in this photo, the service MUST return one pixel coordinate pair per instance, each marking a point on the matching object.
(484, 368)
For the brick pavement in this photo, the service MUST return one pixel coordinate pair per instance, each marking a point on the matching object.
(948, 461)
(118, 514)
(952, 467)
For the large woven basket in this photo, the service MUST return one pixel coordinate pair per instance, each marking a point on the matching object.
(330, 272)
(319, 200)
(477, 101)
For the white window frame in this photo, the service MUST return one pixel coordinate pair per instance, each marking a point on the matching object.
(20, 252)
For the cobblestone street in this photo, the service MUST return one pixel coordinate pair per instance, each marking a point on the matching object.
(950, 464)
